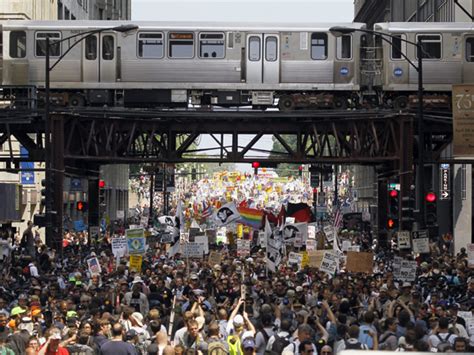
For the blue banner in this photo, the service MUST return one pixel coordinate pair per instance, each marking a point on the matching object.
(26, 177)
(79, 226)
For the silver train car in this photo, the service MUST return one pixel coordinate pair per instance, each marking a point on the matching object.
(301, 66)
(173, 64)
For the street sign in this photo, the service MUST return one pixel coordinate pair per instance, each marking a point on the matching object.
(444, 182)
(421, 242)
(404, 240)
(463, 120)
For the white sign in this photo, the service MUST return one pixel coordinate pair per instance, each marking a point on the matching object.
(243, 247)
(295, 258)
(405, 270)
(203, 239)
(298, 242)
(289, 220)
(119, 246)
(445, 182)
(94, 266)
(470, 255)
(262, 239)
(470, 326)
(346, 244)
(193, 250)
(120, 214)
(404, 240)
(311, 232)
(421, 245)
(329, 263)
(144, 221)
(94, 232)
(310, 245)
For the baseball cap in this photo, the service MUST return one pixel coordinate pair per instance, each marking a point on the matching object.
(248, 343)
(238, 320)
(17, 310)
(131, 334)
(193, 276)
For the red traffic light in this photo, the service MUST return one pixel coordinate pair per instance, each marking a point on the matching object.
(101, 184)
(255, 165)
(393, 193)
(80, 206)
(430, 197)
(391, 223)
(300, 168)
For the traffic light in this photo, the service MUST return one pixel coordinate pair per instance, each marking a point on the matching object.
(431, 212)
(101, 184)
(43, 193)
(300, 171)
(193, 174)
(314, 179)
(393, 203)
(81, 206)
(255, 166)
(408, 212)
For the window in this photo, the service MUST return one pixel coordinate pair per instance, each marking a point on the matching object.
(150, 45)
(271, 49)
(91, 48)
(18, 44)
(344, 47)
(211, 45)
(431, 45)
(181, 45)
(319, 46)
(398, 46)
(254, 49)
(54, 48)
(470, 49)
(108, 47)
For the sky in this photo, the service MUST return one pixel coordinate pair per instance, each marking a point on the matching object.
(291, 11)
(244, 10)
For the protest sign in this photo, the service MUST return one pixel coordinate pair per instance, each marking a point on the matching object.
(211, 236)
(289, 220)
(262, 239)
(315, 258)
(119, 246)
(167, 238)
(329, 263)
(304, 259)
(360, 262)
(243, 247)
(214, 258)
(310, 244)
(421, 242)
(311, 231)
(329, 232)
(298, 242)
(144, 221)
(346, 244)
(136, 241)
(470, 255)
(94, 266)
(295, 259)
(202, 239)
(193, 250)
(135, 262)
(120, 214)
(407, 271)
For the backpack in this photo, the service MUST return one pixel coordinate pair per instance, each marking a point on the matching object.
(279, 344)
(382, 342)
(355, 346)
(216, 348)
(79, 350)
(444, 344)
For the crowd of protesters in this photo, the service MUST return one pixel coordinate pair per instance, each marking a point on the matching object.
(51, 303)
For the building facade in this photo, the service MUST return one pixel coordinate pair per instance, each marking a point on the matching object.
(66, 9)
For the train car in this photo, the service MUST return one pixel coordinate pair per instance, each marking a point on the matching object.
(175, 64)
(448, 59)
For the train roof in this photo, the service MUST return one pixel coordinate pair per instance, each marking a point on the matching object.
(167, 25)
(423, 26)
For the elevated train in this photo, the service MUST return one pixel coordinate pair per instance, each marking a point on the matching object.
(301, 66)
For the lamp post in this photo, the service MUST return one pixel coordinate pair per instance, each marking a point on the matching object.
(52, 171)
(339, 31)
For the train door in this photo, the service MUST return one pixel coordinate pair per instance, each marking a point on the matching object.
(263, 59)
(100, 58)
(468, 67)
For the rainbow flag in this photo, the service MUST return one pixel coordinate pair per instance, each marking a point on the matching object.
(251, 217)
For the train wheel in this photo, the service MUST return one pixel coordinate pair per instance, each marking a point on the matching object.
(77, 100)
(400, 103)
(340, 103)
(286, 103)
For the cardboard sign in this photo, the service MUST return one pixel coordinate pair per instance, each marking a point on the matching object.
(310, 245)
(360, 262)
(404, 240)
(315, 258)
(304, 259)
(119, 246)
(214, 258)
(94, 266)
(193, 250)
(211, 236)
(135, 262)
(202, 239)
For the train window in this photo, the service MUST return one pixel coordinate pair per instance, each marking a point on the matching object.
(254, 49)
(150, 45)
(470, 49)
(18, 44)
(344, 47)
(398, 46)
(54, 48)
(108, 47)
(431, 45)
(211, 45)
(91, 47)
(319, 46)
(181, 45)
(271, 49)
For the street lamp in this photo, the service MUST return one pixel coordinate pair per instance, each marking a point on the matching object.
(48, 129)
(339, 31)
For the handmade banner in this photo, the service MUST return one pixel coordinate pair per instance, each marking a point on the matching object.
(135, 263)
(360, 262)
(226, 214)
